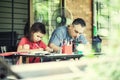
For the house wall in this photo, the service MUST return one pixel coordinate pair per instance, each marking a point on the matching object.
(82, 9)
(13, 17)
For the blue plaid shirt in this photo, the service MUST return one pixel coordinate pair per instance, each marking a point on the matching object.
(61, 33)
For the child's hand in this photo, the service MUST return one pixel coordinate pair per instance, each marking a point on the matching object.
(26, 46)
(41, 49)
(49, 49)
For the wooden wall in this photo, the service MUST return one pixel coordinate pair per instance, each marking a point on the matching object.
(82, 9)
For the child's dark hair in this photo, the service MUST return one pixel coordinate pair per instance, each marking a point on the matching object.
(38, 27)
(26, 29)
(79, 21)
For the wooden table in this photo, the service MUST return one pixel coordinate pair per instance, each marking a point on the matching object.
(52, 56)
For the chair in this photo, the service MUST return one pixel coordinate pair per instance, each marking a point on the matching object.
(8, 41)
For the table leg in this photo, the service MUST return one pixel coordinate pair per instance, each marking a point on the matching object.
(20, 60)
(27, 59)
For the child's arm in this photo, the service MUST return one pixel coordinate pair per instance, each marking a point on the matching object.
(26, 48)
(49, 49)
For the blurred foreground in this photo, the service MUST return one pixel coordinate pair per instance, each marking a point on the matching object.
(89, 67)
(102, 67)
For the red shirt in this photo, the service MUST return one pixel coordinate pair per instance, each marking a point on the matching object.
(33, 45)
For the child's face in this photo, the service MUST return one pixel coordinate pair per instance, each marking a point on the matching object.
(37, 36)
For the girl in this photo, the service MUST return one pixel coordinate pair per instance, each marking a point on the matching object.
(32, 41)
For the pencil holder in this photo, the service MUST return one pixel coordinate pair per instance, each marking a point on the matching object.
(67, 49)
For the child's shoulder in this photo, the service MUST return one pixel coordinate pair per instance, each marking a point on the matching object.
(24, 38)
